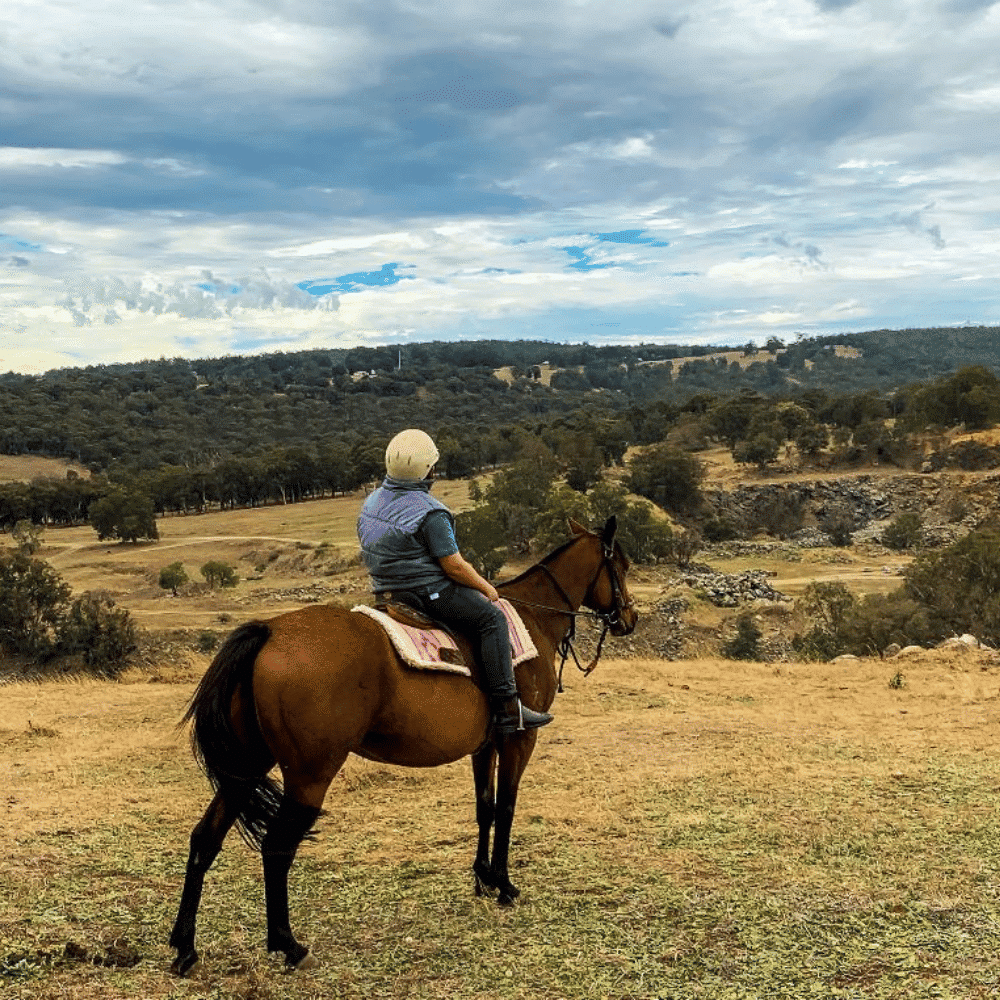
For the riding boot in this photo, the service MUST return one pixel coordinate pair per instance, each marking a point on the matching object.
(510, 716)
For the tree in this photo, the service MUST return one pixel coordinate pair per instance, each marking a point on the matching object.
(960, 585)
(828, 605)
(219, 574)
(28, 537)
(684, 546)
(481, 538)
(811, 439)
(669, 477)
(124, 513)
(761, 451)
(172, 577)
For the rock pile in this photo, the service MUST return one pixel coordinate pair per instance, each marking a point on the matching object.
(729, 590)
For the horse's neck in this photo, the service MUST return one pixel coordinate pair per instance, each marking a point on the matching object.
(554, 587)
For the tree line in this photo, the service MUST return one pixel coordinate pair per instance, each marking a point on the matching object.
(190, 414)
(829, 430)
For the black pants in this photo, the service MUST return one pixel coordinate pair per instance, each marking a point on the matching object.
(478, 619)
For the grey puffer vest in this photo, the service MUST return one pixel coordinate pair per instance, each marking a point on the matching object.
(391, 547)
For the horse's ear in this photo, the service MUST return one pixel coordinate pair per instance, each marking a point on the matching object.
(609, 532)
(576, 527)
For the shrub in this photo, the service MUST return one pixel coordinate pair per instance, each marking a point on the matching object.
(719, 529)
(828, 604)
(761, 450)
(684, 546)
(957, 510)
(818, 643)
(746, 644)
(839, 525)
(481, 538)
(780, 514)
(881, 619)
(102, 634)
(904, 531)
(38, 620)
(811, 439)
(641, 533)
(973, 456)
(207, 642)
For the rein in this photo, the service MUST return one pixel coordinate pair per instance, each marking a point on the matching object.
(607, 618)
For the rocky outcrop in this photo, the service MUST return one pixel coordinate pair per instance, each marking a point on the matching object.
(801, 511)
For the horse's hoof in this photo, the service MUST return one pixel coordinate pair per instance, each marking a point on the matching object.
(307, 962)
(508, 896)
(183, 965)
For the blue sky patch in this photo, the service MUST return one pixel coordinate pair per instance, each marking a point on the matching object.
(631, 236)
(349, 282)
(583, 261)
(14, 243)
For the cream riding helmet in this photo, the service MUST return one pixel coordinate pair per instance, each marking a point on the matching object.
(411, 455)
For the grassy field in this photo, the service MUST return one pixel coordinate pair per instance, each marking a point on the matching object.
(698, 828)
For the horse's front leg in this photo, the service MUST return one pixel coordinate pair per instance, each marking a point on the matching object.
(514, 753)
(484, 770)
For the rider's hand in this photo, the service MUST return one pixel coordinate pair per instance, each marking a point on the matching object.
(491, 592)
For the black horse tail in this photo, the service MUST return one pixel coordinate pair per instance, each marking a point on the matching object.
(233, 763)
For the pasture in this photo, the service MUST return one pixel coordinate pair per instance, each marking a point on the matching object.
(686, 829)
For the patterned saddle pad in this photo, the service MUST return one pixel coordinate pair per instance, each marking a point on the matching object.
(435, 649)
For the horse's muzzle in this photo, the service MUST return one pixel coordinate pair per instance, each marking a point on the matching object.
(624, 621)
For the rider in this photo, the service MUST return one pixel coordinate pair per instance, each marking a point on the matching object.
(408, 544)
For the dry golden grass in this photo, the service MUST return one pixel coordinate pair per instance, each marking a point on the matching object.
(699, 828)
(24, 468)
(294, 533)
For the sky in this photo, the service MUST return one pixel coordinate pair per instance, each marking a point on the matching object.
(196, 178)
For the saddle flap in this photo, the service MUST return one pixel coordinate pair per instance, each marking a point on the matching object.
(407, 615)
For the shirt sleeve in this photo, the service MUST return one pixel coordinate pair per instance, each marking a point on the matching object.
(438, 534)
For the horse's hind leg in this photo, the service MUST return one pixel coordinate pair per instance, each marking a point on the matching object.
(515, 753)
(483, 770)
(285, 832)
(206, 842)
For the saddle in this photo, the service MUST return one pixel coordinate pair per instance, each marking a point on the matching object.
(406, 614)
(425, 644)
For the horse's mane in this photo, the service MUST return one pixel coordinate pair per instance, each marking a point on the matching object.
(558, 551)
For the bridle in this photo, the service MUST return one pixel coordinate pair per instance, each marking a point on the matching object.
(609, 619)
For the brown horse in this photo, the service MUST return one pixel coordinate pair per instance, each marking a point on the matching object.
(307, 688)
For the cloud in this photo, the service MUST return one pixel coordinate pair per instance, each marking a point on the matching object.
(346, 172)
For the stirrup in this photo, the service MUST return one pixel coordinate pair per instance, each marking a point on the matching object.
(511, 716)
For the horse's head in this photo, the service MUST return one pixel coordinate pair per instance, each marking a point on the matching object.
(608, 593)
